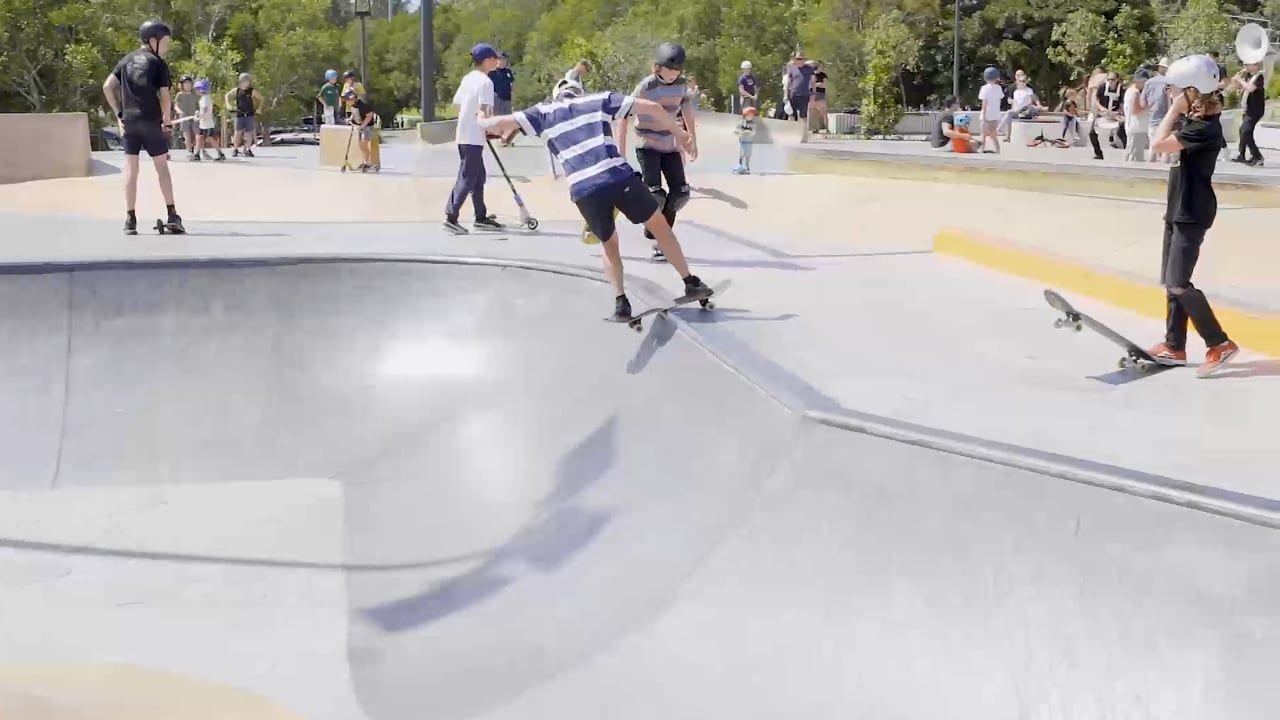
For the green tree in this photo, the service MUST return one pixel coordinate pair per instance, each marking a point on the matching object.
(218, 62)
(889, 52)
(1079, 41)
(1131, 42)
(1202, 26)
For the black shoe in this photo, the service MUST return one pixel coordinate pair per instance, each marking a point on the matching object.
(235, 153)
(695, 288)
(195, 158)
(487, 223)
(1256, 162)
(621, 309)
(648, 235)
(131, 226)
(174, 224)
(1097, 157)
(657, 255)
(451, 224)
(220, 158)
(248, 153)
(1239, 159)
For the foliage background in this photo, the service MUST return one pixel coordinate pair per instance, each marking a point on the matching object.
(881, 55)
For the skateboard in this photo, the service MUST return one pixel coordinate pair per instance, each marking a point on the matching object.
(637, 321)
(1134, 357)
(163, 227)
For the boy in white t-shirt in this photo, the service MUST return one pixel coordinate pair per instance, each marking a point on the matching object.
(207, 133)
(991, 95)
(1136, 118)
(473, 100)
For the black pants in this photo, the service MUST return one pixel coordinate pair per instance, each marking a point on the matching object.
(1246, 138)
(1182, 243)
(1093, 137)
(471, 177)
(654, 166)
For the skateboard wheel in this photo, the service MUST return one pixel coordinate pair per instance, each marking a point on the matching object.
(1059, 324)
(531, 223)
(1078, 327)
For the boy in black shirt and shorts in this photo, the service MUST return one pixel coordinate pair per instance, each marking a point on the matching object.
(138, 92)
(1191, 129)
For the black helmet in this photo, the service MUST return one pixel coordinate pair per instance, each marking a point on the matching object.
(153, 30)
(670, 55)
(349, 74)
(186, 78)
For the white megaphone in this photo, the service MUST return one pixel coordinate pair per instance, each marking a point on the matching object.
(1252, 46)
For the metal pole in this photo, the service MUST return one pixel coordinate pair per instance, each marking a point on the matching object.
(427, 50)
(364, 75)
(390, 8)
(955, 58)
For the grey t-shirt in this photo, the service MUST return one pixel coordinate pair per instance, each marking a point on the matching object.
(799, 74)
(1155, 98)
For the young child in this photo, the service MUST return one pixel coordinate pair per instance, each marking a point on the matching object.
(474, 100)
(1135, 118)
(991, 95)
(208, 123)
(185, 106)
(1192, 129)
(362, 118)
(657, 150)
(746, 132)
(601, 181)
(328, 97)
(1070, 109)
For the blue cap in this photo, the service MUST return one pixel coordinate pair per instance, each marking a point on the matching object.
(482, 52)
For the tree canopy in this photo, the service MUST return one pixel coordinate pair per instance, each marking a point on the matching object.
(54, 54)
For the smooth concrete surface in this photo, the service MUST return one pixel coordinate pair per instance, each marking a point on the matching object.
(421, 489)
(38, 146)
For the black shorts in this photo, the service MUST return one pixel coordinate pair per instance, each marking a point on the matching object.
(142, 135)
(209, 132)
(631, 197)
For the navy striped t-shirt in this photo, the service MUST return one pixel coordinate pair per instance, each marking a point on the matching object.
(579, 135)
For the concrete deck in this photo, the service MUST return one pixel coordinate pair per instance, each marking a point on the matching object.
(906, 494)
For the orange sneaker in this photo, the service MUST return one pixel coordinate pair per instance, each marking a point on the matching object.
(1168, 355)
(1216, 358)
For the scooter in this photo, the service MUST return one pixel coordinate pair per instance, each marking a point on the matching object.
(528, 220)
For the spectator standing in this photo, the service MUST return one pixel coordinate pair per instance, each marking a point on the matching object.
(244, 102)
(991, 95)
(1155, 95)
(329, 97)
(578, 74)
(1136, 118)
(208, 124)
(748, 88)
(798, 84)
(1108, 102)
(1222, 69)
(1253, 83)
(350, 81)
(818, 121)
(185, 107)
(504, 81)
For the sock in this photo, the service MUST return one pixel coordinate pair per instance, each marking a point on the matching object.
(132, 216)
(171, 210)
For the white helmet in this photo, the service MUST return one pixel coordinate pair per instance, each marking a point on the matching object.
(1197, 71)
(566, 89)
(746, 64)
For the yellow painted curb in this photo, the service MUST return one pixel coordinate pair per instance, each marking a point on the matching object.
(1258, 332)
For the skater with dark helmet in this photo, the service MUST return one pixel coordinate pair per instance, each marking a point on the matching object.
(601, 182)
(138, 91)
(658, 151)
(1192, 129)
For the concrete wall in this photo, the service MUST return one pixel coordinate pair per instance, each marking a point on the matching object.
(42, 146)
(437, 133)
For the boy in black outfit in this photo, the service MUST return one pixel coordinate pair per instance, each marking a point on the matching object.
(1191, 129)
(138, 92)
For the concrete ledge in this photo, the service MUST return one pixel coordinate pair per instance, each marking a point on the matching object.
(437, 133)
(43, 146)
(338, 144)
(1257, 331)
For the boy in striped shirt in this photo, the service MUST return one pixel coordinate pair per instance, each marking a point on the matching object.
(658, 151)
(578, 133)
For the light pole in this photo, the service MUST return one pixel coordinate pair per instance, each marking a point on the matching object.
(955, 57)
(427, 54)
(364, 8)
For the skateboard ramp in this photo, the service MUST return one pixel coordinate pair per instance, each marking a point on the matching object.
(539, 514)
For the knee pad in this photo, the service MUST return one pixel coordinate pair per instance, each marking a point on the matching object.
(678, 199)
(660, 195)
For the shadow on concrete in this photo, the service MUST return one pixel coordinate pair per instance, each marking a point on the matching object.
(722, 196)
(751, 264)
(1252, 368)
(100, 167)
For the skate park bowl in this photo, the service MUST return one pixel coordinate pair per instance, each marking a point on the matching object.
(43, 146)
(444, 488)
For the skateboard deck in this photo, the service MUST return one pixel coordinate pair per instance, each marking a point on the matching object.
(637, 321)
(163, 227)
(1134, 357)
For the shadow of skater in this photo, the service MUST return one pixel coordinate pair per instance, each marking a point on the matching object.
(661, 328)
(722, 196)
(1252, 368)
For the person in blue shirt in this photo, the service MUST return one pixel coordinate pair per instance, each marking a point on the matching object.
(578, 133)
(503, 83)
